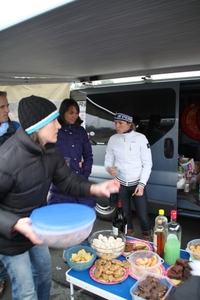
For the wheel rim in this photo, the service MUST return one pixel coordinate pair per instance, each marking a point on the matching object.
(104, 210)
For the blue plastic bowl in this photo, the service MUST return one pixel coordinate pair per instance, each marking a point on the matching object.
(79, 266)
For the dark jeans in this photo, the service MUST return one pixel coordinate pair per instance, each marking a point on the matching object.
(141, 207)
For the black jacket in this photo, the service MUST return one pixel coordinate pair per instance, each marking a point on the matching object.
(26, 173)
(189, 290)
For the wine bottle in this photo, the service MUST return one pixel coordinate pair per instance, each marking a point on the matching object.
(173, 240)
(119, 221)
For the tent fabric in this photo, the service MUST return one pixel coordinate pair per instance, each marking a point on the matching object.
(50, 91)
(55, 92)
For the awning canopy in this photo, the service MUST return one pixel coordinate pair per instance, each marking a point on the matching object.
(83, 40)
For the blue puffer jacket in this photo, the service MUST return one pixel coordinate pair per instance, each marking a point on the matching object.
(73, 142)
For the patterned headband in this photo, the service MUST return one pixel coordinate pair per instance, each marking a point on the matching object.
(123, 117)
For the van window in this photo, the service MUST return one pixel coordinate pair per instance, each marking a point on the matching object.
(154, 112)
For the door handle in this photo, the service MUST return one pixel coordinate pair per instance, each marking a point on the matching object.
(168, 148)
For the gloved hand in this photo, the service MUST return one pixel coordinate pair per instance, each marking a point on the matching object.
(195, 266)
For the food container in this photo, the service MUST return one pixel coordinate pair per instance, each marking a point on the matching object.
(79, 266)
(194, 255)
(146, 258)
(162, 279)
(63, 225)
(106, 242)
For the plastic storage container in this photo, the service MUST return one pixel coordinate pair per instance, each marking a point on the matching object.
(79, 266)
(162, 279)
(138, 271)
(63, 225)
(194, 255)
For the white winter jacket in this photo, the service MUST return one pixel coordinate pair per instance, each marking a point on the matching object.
(131, 153)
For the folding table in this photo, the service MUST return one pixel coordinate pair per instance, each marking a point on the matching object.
(119, 291)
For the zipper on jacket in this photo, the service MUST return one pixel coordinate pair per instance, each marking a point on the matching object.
(125, 159)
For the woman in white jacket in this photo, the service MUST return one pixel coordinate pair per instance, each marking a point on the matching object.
(130, 152)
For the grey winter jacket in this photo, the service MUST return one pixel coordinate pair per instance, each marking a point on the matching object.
(26, 173)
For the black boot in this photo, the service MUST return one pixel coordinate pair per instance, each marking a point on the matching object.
(130, 232)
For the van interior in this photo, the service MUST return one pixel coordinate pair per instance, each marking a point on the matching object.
(92, 44)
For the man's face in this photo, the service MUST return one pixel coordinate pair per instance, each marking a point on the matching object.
(4, 110)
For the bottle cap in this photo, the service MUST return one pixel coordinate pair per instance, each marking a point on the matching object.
(173, 214)
(161, 212)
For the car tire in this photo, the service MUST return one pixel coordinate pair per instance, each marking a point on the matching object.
(105, 213)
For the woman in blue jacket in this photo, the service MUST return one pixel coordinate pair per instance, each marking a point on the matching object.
(73, 143)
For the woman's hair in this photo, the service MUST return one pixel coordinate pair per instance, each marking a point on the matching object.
(35, 138)
(65, 105)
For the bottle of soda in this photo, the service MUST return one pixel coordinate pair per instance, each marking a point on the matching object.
(161, 216)
(159, 233)
(119, 221)
(173, 240)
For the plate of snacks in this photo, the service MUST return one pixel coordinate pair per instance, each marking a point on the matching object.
(136, 245)
(179, 272)
(108, 270)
